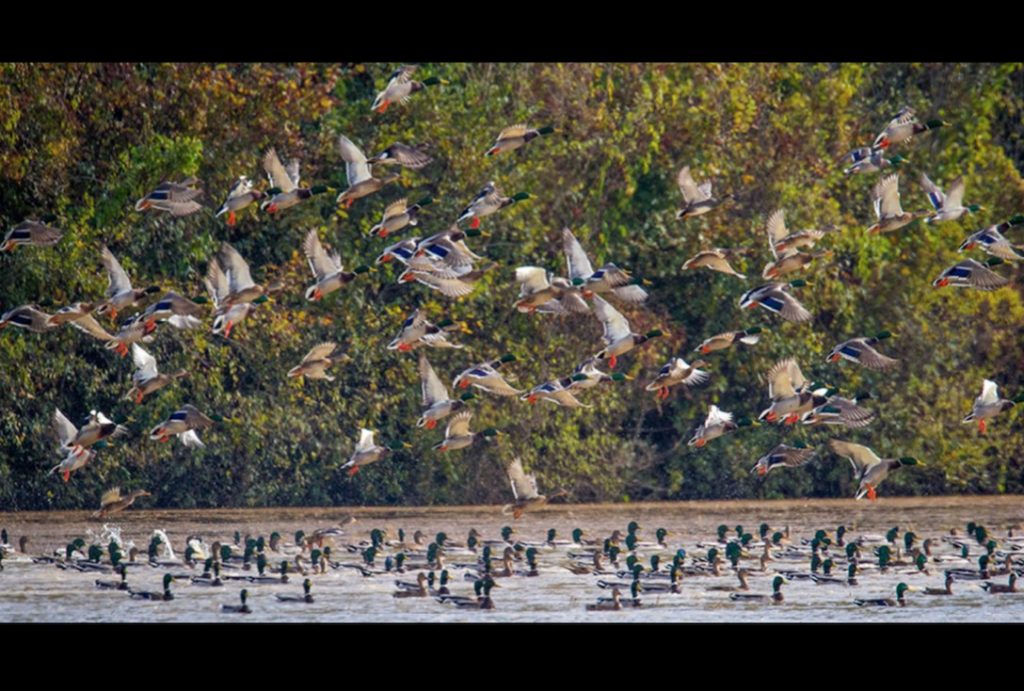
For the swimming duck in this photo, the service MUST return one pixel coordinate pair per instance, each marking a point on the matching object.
(435, 397)
(524, 489)
(948, 207)
(115, 585)
(717, 423)
(871, 469)
(361, 182)
(238, 609)
(327, 269)
(28, 317)
(487, 201)
(317, 360)
(783, 456)
(988, 404)
(697, 199)
(538, 290)
(148, 595)
(402, 155)
(210, 576)
(900, 600)
(994, 588)
(608, 279)
(991, 240)
(902, 127)
(947, 590)
(400, 87)
(399, 215)
(285, 191)
(679, 371)
(776, 596)
(870, 160)
(728, 339)
(146, 379)
(741, 574)
(487, 377)
(113, 502)
(306, 597)
(617, 336)
(458, 436)
(557, 392)
(775, 297)
(240, 196)
(183, 423)
(716, 259)
(862, 351)
(177, 198)
(410, 590)
(971, 273)
(31, 233)
(886, 200)
(511, 138)
(366, 452)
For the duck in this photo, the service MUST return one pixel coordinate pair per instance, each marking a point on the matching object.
(871, 469)
(697, 199)
(783, 455)
(402, 155)
(177, 198)
(183, 423)
(97, 428)
(776, 297)
(988, 405)
(436, 402)
(418, 331)
(113, 502)
(306, 597)
(210, 576)
(115, 585)
(900, 600)
(851, 576)
(446, 253)
(400, 87)
(886, 200)
(120, 294)
(831, 409)
(148, 595)
(869, 160)
(458, 436)
(789, 391)
(991, 240)
(28, 317)
(457, 286)
(240, 284)
(488, 200)
(327, 269)
(539, 291)
(367, 452)
(784, 246)
(587, 376)
(947, 590)
(716, 259)
(285, 191)
(995, 588)
(524, 490)
(948, 207)
(863, 352)
(361, 182)
(239, 196)
(679, 371)
(73, 461)
(176, 310)
(971, 273)
(603, 605)
(741, 574)
(147, 379)
(511, 138)
(399, 215)
(902, 127)
(238, 609)
(608, 279)
(776, 596)
(717, 423)
(71, 313)
(618, 337)
(419, 589)
(556, 391)
(228, 314)
(487, 377)
(31, 233)
(314, 365)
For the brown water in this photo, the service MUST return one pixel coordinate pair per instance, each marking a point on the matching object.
(32, 592)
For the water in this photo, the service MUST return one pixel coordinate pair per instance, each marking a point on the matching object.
(33, 593)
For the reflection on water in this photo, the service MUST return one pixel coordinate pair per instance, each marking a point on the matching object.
(33, 592)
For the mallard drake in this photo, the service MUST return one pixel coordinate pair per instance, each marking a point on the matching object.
(327, 268)
(524, 489)
(210, 576)
(400, 87)
(948, 207)
(716, 424)
(775, 297)
(449, 286)
(993, 588)
(991, 240)
(862, 351)
(447, 250)
(361, 182)
(98, 427)
(178, 311)
(403, 251)
(618, 337)
(398, 215)
(285, 191)
(28, 317)
(679, 371)
(177, 198)
(871, 469)
(587, 376)
(902, 127)
(789, 391)
(728, 339)
(609, 278)
(832, 409)
(716, 259)
(487, 201)
(113, 502)
(227, 313)
(511, 138)
(31, 233)
(166, 595)
(886, 200)
(971, 273)
(557, 392)
(776, 596)
(418, 331)
(183, 423)
(539, 290)
(988, 404)
(131, 330)
(900, 600)
(870, 160)
(458, 436)
(366, 452)
(317, 360)
(697, 199)
(486, 376)
(238, 609)
(401, 155)
(240, 196)
(147, 379)
(783, 456)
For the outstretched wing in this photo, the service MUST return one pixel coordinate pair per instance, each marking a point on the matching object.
(523, 486)
(276, 172)
(861, 457)
(237, 269)
(935, 195)
(119, 281)
(459, 426)
(780, 379)
(356, 168)
(887, 197)
(365, 440)
(615, 325)
(432, 386)
(320, 262)
(319, 352)
(579, 263)
(63, 428)
(687, 186)
(145, 364)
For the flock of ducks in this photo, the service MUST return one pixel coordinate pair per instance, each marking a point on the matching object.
(622, 564)
(444, 262)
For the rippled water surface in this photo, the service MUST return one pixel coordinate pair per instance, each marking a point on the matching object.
(34, 593)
